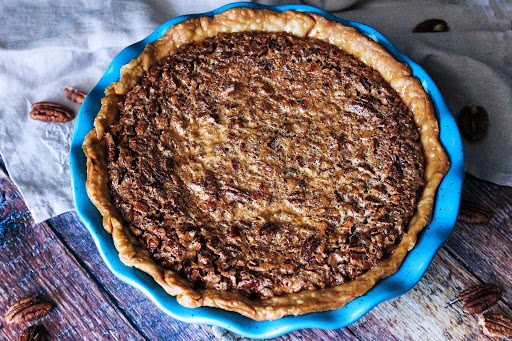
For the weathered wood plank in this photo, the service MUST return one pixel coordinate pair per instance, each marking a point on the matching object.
(344, 334)
(155, 324)
(34, 261)
(421, 314)
(485, 249)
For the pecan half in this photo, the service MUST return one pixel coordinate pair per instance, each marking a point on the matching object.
(431, 25)
(27, 309)
(51, 112)
(480, 297)
(495, 324)
(473, 122)
(34, 333)
(472, 213)
(75, 95)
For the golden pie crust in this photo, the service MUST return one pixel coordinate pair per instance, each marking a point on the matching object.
(300, 24)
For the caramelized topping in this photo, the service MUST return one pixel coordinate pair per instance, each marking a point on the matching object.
(265, 164)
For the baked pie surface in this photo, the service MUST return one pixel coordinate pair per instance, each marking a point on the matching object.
(267, 163)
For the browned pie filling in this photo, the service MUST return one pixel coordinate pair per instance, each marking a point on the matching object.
(266, 164)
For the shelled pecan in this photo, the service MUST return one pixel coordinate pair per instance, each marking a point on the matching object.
(75, 95)
(431, 25)
(34, 333)
(480, 297)
(473, 122)
(472, 213)
(497, 325)
(51, 112)
(27, 309)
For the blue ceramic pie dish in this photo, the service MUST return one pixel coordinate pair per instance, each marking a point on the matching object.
(411, 271)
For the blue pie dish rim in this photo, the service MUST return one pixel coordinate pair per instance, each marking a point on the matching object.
(430, 240)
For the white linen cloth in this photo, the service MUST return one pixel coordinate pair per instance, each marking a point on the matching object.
(47, 45)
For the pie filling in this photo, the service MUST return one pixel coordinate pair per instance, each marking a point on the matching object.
(265, 164)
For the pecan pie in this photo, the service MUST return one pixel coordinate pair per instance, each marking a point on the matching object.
(267, 163)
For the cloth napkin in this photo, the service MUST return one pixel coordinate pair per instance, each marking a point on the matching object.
(55, 43)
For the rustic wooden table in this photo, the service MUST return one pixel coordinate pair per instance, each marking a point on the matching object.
(58, 260)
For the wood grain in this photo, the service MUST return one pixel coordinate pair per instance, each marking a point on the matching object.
(59, 261)
(422, 310)
(485, 249)
(34, 262)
